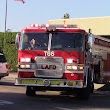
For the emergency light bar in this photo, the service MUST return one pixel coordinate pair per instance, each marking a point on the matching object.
(62, 26)
(53, 26)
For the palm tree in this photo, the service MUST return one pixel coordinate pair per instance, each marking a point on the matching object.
(66, 16)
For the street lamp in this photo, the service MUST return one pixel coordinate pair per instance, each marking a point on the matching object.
(8, 30)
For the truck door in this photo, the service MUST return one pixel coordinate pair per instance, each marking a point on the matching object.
(101, 69)
(98, 71)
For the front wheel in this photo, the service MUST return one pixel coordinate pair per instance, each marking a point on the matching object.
(84, 93)
(30, 91)
(92, 87)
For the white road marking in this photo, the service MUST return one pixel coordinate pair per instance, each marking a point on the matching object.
(60, 108)
(4, 102)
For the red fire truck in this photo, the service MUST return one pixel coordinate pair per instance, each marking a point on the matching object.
(60, 58)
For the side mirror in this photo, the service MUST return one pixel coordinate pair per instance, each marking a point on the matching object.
(87, 47)
(90, 43)
(17, 40)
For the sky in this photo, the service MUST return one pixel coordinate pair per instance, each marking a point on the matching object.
(21, 15)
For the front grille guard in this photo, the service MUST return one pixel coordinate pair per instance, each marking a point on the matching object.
(43, 69)
(49, 82)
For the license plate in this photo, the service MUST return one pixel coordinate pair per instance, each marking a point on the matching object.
(46, 66)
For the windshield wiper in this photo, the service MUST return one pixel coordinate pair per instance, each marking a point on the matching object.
(54, 48)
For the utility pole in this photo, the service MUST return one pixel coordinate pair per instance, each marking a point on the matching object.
(6, 8)
(6, 16)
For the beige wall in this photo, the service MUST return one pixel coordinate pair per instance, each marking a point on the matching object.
(99, 25)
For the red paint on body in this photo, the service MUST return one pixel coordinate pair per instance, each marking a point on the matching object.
(74, 76)
(26, 74)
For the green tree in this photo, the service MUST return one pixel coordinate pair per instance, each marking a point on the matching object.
(66, 16)
(7, 43)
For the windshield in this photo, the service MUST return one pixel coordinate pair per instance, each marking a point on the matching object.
(67, 41)
(34, 41)
(59, 41)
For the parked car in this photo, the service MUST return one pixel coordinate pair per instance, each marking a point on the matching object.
(3, 66)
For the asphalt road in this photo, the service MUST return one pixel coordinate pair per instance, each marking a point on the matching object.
(14, 98)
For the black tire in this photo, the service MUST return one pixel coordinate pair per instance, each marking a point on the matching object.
(84, 93)
(92, 87)
(30, 91)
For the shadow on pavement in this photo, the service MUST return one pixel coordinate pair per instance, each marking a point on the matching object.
(54, 102)
(3, 83)
(105, 87)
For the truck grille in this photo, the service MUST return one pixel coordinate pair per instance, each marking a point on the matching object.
(49, 67)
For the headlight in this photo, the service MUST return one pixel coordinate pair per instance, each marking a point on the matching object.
(25, 66)
(28, 59)
(22, 66)
(69, 60)
(22, 60)
(81, 68)
(70, 67)
(75, 67)
(28, 66)
(25, 60)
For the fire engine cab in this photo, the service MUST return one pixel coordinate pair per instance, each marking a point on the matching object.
(60, 58)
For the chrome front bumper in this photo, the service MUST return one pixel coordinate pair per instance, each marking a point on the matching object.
(49, 82)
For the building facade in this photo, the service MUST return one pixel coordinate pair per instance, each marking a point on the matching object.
(98, 25)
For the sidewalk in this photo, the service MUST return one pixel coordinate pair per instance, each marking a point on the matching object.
(98, 86)
(13, 75)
